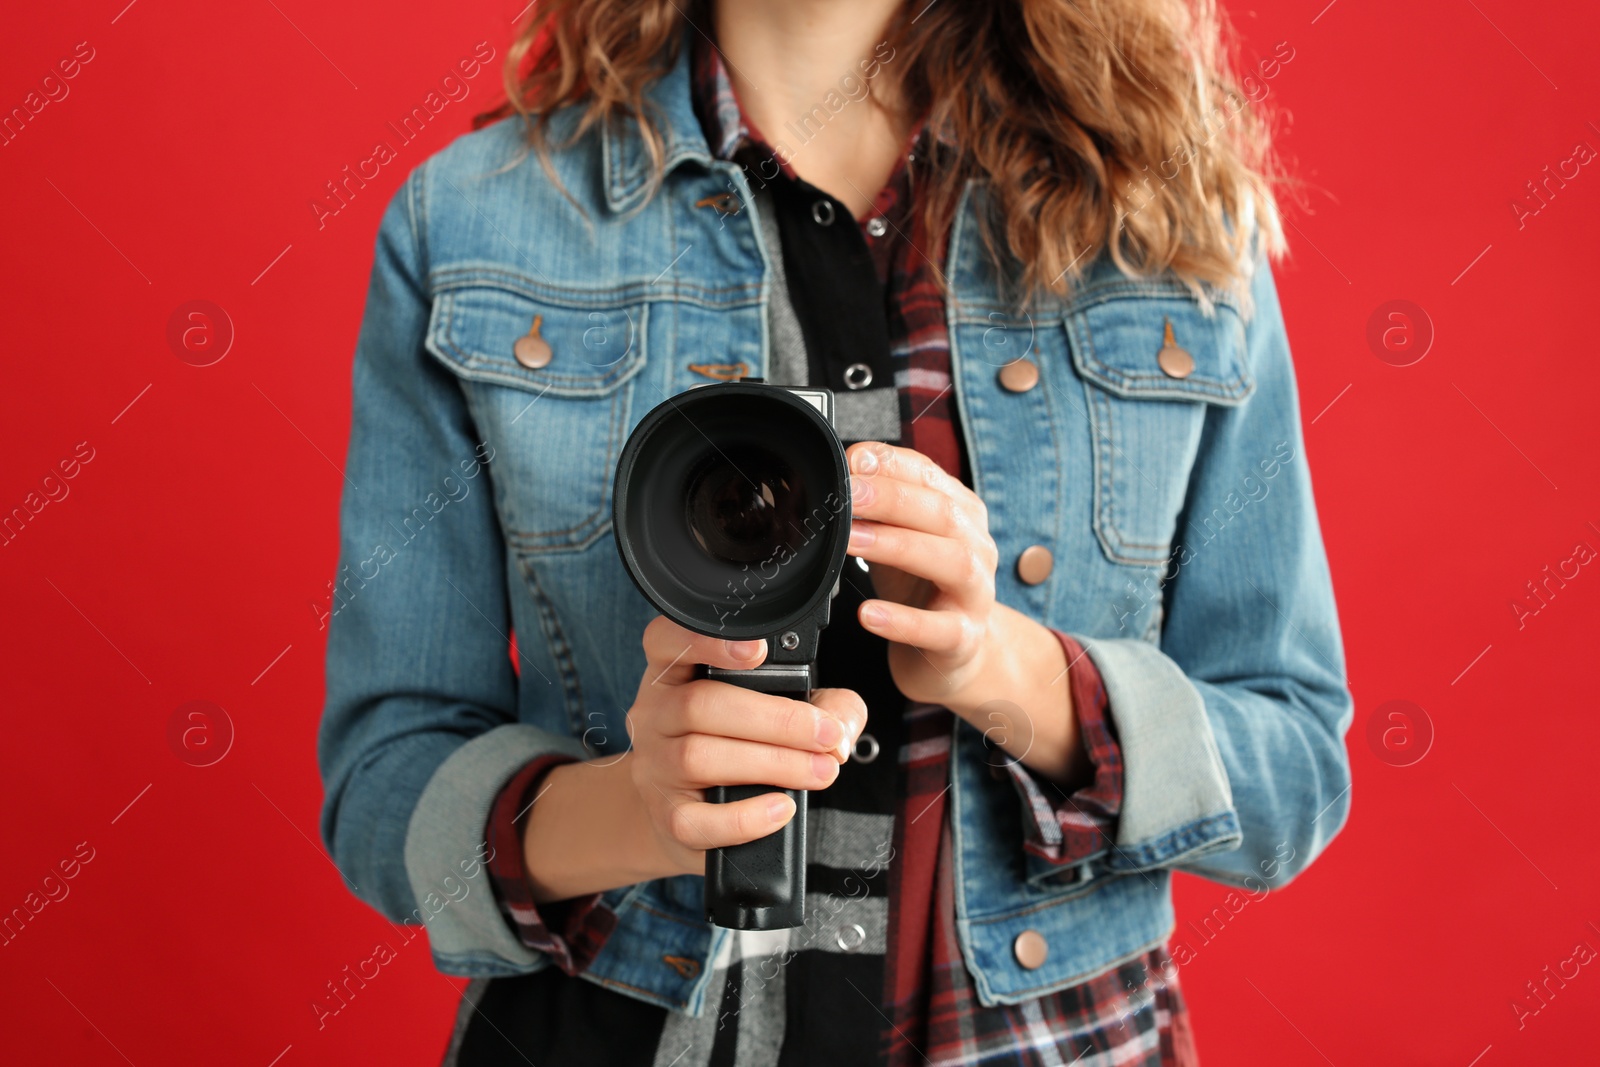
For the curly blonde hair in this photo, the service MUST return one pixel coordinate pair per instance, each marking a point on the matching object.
(1114, 126)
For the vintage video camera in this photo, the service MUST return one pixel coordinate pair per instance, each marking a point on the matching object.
(732, 515)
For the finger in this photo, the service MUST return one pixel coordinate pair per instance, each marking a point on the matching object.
(917, 506)
(932, 631)
(875, 458)
(962, 568)
(709, 759)
(672, 651)
(901, 464)
(700, 825)
(849, 709)
(712, 707)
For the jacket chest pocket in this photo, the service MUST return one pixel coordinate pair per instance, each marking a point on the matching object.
(549, 385)
(1147, 402)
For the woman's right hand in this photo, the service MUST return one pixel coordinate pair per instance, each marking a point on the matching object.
(689, 734)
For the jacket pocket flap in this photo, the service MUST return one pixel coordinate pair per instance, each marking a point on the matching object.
(572, 349)
(1118, 344)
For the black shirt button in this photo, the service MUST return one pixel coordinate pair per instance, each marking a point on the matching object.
(822, 212)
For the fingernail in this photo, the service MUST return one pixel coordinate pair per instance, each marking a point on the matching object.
(829, 732)
(823, 766)
(866, 461)
(778, 807)
(847, 746)
(861, 492)
(744, 649)
(874, 614)
(861, 536)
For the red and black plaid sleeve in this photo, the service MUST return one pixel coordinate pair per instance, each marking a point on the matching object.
(570, 932)
(1065, 828)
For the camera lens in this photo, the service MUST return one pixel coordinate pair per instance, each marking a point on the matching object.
(732, 508)
(745, 511)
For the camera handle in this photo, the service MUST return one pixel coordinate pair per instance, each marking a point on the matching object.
(761, 884)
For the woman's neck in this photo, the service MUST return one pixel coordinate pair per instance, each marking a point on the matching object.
(818, 79)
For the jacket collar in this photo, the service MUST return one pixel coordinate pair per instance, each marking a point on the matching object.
(626, 157)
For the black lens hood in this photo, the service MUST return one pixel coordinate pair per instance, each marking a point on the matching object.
(695, 592)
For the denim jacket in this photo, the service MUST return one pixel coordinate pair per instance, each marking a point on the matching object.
(1179, 512)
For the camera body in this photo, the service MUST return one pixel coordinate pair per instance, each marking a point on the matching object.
(731, 512)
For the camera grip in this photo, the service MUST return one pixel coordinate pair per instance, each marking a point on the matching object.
(761, 884)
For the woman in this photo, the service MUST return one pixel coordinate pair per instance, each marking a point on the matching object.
(1090, 638)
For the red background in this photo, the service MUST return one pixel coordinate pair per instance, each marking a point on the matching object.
(184, 562)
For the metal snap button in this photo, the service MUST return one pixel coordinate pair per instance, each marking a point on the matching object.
(857, 376)
(1175, 362)
(1035, 564)
(866, 750)
(1019, 375)
(877, 226)
(1031, 949)
(532, 350)
(850, 938)
(822, 212)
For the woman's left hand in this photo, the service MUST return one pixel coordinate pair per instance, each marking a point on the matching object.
(926, 536)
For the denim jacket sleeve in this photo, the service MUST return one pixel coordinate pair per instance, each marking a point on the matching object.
(1232, 729)
(420, 728)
